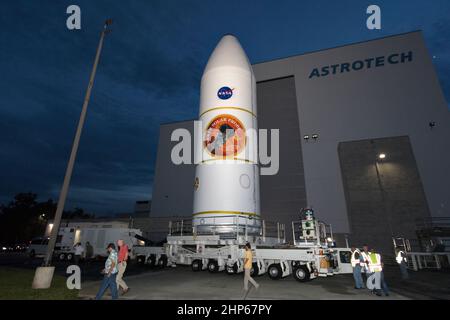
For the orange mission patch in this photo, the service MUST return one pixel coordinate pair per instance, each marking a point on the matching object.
(225, 136)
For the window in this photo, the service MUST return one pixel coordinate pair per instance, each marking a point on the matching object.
(345, 256)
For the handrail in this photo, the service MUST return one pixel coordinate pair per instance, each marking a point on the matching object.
(431, 222)
(239, 227)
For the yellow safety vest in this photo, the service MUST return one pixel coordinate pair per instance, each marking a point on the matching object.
(375, 262)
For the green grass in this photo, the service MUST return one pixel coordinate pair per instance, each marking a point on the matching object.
(15, 284)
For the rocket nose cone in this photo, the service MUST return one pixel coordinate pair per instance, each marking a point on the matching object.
(228, 53)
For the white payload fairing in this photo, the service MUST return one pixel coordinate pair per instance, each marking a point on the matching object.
(226, 188)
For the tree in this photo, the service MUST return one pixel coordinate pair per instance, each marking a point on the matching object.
(25, 218)
(19, 218)
(77, 213)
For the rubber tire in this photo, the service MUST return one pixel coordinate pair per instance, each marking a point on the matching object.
(213, 266)
(197, 265)
(140, 260)
(151, 261)
(271, 271)
(254, 271)
(302, 274)
(229, 270)
(162, 262)
(233, 269)
(61, 256)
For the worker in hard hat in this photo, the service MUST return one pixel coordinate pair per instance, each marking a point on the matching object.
(402, 263)
(357, 264)
(375, 268)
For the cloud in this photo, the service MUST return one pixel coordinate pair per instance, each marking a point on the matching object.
(142, 80)
(108, 201)
(149, 73)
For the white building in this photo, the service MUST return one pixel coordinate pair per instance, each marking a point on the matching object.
(359, 101)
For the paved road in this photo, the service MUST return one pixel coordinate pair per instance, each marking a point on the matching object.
(181, 283)
(424, 284)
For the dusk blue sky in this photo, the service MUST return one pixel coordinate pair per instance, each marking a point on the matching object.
(149, 74)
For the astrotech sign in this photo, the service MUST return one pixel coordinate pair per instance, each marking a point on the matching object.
(362, 64)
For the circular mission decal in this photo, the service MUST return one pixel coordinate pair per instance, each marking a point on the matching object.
(225, 136)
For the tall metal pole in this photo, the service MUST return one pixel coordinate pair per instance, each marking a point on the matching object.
(73, 154)
(384, 199)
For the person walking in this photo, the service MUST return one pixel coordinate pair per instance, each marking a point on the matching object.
(89, 251)
(110, 274)
(122, 266)
(375, 268)
(402, 263)
(248, 262)
(357, 266)
(78, 252)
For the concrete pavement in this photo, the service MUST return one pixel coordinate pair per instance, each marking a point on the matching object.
(181, 283)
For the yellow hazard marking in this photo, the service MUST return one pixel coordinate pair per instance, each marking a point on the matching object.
(230, 158)
(226, 212)
(235, 108)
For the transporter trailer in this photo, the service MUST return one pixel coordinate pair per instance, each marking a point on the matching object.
(311, 254)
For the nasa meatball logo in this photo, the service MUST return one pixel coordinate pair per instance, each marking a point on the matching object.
(225, 136)
(225, 93)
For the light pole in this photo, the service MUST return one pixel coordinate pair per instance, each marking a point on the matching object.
(380, 158)
(44, 275)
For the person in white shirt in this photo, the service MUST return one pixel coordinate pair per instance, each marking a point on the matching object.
(78, 252)
(402, 263)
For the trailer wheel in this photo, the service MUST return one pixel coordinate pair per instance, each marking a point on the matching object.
(151, 261)
(233, 269)
(302, 274)
(140, 260)
(162, 262)
(69, 257)
(275, 271)
(229, 270)
(61, 257)
(254, 271)
(213, 267)
(196, 265)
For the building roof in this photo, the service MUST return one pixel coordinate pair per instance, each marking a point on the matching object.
(340, 46)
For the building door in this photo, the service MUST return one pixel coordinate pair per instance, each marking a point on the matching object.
(383, 190)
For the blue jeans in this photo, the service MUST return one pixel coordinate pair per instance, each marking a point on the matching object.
(384, 286)
(404, 271)
(108, 282)
(358, 277)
